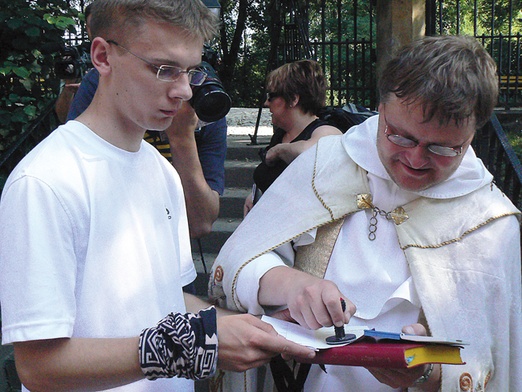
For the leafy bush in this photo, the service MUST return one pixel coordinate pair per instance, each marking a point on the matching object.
(515, 139)
(30, 37)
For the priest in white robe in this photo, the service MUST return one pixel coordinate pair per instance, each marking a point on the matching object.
(423, 242)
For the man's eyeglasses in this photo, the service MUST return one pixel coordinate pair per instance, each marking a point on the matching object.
(270, 96)
(169, 73)
(410, 143)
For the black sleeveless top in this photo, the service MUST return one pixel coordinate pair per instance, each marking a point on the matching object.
(265, 175)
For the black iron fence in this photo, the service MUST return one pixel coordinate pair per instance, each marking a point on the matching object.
(492, 146)
(78, 35)
(340, 34)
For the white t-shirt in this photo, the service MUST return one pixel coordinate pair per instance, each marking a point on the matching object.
(95, 243)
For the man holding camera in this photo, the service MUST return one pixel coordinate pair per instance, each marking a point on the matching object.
(95, 243)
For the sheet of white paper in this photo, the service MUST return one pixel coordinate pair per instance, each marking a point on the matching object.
(307, 337)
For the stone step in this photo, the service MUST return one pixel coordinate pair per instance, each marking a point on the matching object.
(203, 271)
(242, 159)
(208, 259)
(9, 380)
(221, 230)
(201, 285)
(240, 147)
(238, 173)
(231, 202)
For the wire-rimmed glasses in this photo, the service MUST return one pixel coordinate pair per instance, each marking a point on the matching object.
(169, 73)
(405, 142)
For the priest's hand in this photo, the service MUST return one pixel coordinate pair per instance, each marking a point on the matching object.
(405, 378)
(311, 301)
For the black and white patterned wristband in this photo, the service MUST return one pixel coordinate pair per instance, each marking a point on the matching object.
(180, 345)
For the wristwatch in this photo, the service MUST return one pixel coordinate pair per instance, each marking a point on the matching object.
(422, 379)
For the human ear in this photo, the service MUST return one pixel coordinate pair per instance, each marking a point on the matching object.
(100, 55)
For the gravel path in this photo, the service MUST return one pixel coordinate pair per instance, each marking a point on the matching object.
(242, 121)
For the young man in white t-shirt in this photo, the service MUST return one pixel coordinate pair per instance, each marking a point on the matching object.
(95, 243)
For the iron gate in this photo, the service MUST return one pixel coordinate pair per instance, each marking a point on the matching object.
(340, 34)
(498, 26)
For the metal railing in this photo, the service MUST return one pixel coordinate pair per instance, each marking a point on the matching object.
(492, 146)
(497, 25)
(340, 34)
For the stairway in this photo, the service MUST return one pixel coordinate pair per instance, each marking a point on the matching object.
(242, 158)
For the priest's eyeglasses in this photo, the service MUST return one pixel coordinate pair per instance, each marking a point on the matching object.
(169, 73)
(410, 143)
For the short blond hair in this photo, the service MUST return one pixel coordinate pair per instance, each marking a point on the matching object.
(117, 19)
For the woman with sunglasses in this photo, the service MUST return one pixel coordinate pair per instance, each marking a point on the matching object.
(295, 94)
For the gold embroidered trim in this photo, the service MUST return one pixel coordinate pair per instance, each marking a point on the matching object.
(454, 240)
(234, 281)
(315, 190)
(466, 382)
(237, 303)
(315, 257)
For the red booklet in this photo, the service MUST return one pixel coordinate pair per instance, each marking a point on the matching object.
(371, 348)
(388, 354)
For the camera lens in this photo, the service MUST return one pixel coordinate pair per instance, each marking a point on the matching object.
(210, 101)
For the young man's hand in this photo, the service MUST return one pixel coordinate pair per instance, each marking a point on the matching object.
(246, 342)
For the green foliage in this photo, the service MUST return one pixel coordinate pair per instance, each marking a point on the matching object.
(252, 65)
(244, 50)
(347, 52)
(475, 24)
(497, 25)
(353, 62)
(515, 139)
(26, 67)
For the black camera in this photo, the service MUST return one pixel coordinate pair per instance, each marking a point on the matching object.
(73, 62)
(210, 101)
